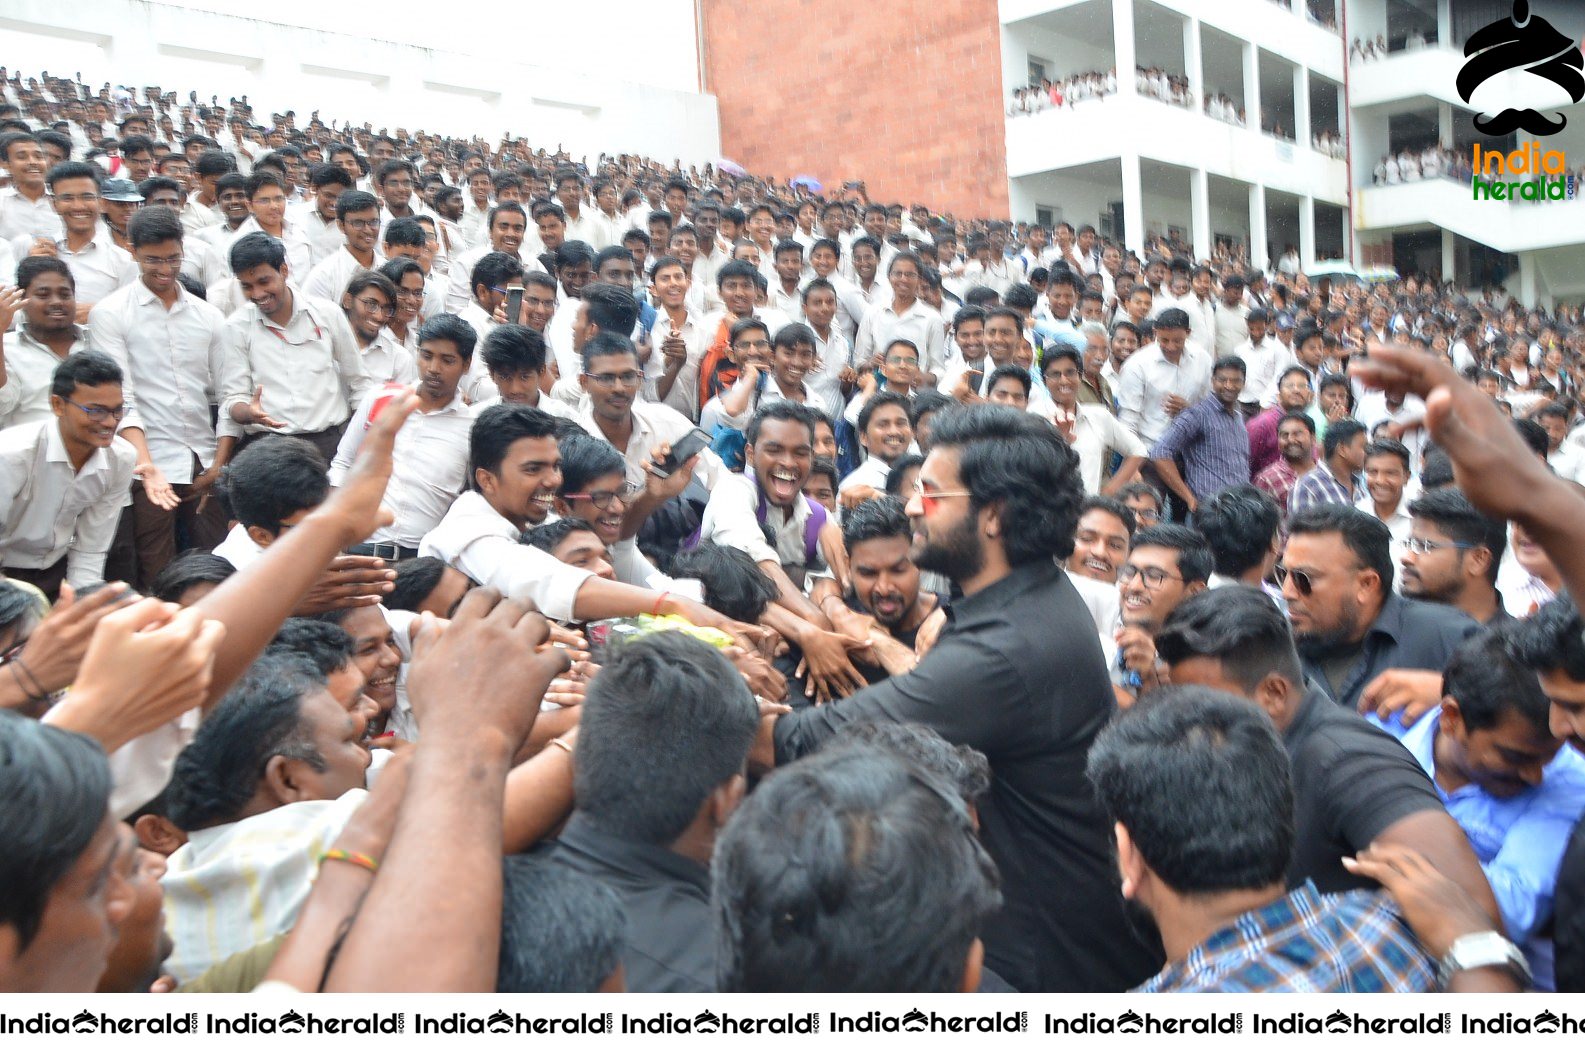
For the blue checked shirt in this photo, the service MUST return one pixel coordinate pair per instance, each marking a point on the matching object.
(1321, 486)
(1347, 942)
(1214, 444)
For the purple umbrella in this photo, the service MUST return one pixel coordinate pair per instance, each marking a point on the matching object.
(808, 182)
(731, 167)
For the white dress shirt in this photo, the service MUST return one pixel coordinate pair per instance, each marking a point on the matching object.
(731, 519)
(98, 269)
(654, 424)
(1264, 364)
(430, 467)
(323, 235)
(832, 355)
(459, 286)
(475, 540)
(172, 360)
(1146, 380)
(387, 361)
(311, 371)
(684, 395)
(1096, 435)
(49, 511)
(30, 367)
(330, 278)
(238, 547)
(20, 217)
(918, 324)
(196, 215)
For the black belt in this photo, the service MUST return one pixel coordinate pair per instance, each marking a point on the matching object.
(388, 551)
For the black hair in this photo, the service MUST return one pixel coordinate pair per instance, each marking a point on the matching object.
(322, 175)
(187, 570)
(1553, 639)
(957, 764)
(1388, 447)
(256, 249)
(88, 368)
(1364, 534)
(416, 580)
(1459, 519)
(1436, 469)
(546, 537)
(1115, 507)
(1195, 563)
(926, 402)
(355, 201)
(1013, 372)
(1232, 364)
(1534, 435)
(327, 646)
(734, 268)
(852, 870)
(31, 267)
(878, 401)
(666, 722)
(272, 479)
(398, 268)
(1239, 523)
(452, 329)
(606, 344)
(609, 307)
(513, 348)
(219, 771)
(1020, 297)
(1487, 676)
(1339, 433)
(1173, 318)
(154, 226)
(213, 162)
(54, 792)
(73, 169)
(493, 270)
(896, 475)
(1302, 417)
(879, 518)
(405, 232)
(783, 410)
(1235, 829)
(584, 458)
(497, 428)
(560, 931)
(733, 584)
(1239, 627)
(1021, 462)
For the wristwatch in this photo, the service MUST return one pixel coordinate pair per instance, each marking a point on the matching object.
(1476, 950)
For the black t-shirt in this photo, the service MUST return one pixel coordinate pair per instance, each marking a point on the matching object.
(1569, 914)
(1351, 781)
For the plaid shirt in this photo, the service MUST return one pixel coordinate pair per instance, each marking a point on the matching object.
(1321, 486)
(1279, 480)
(1214, 445)
(1304, 942)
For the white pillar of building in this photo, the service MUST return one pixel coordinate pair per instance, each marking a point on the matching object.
(1301, 106)
(1306, 231)
(1123, 50)
(1444, 124)
(1259, 249)
(1449, 255)
(1133, 206)
(1200, 212)
(1193, 65)
(1252, 87)
(1528, 279)
(1444, 23)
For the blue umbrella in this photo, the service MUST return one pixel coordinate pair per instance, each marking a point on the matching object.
(808, 182)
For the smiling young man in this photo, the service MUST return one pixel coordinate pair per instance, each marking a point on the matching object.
(358, 215)
(431, 453)
(64, 479)
(595, 490)
(886, 434)
(97, 264)
(206, 263)
(26, 209)
(1452, 555)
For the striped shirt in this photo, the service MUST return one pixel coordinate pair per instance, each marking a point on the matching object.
(1321, 486)
(1213, 443)
(1304, 942)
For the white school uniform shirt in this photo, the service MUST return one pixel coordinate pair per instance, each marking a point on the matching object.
(1096, 435)
(49, 511)
(459, 289)
(730, 519)
(30, 368)
(477, 385)
(833, 353)
(20, 217)
(1265, 364)
(238, 548)
(196, 215)
(310, 369)
(388, 360)
(1148, 377)
(173, 360)
(98, 269)
(475, 222)
(918, 323)
(684, 394)
(478, 542)
(429, 466)
(330, 278)
(654, 424)
(323, 235)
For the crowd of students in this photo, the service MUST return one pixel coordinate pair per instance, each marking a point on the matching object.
(440, 568)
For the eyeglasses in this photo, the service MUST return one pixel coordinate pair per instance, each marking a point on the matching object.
(604, 499)
(99, 413)
(610, 379)
(911, 362)
(928, 499)
(73, 198)
(165, 263)
(1303, 582)
(374, 306)
(1415, 545)
(1154, 577)
(361, 224)
(756, 344)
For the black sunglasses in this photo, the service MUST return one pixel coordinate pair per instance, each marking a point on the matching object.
(1302, 580)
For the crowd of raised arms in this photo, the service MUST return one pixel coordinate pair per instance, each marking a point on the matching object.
(437, 566)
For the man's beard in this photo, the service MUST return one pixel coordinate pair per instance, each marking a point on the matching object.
(1318, 645)
(958, 555)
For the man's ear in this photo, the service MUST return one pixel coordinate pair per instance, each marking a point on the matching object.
(1129, 863)
(259, 535)
(991, 519)
(725, 799)
(283, 779)
(158, 834)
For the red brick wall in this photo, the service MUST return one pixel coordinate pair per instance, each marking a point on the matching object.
(904, 94)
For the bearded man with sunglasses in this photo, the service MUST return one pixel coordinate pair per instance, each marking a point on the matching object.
(1349, 626)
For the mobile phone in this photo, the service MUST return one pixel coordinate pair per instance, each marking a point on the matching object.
(514, 306)
(682, 450)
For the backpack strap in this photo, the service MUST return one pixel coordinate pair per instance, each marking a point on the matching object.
(812, 525)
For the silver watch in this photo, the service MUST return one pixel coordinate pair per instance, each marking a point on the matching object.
(1476, 950)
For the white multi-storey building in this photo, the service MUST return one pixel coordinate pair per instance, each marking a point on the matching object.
(1259, 122)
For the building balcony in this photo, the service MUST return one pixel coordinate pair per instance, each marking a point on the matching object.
(1131, 125)
(1507, 226)
(1432, 72)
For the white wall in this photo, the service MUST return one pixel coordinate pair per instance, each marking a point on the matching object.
(345, 65)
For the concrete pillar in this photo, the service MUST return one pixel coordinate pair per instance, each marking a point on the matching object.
(1252, 87)
(1123, 50)
(1133, 206)
(1444, 123)
(1301, 106)
(1259, 250)
(1529, 279)
(1306, 231)
(1449, 255)
(1193, 65)
(1444, 23)
(1200, 212)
